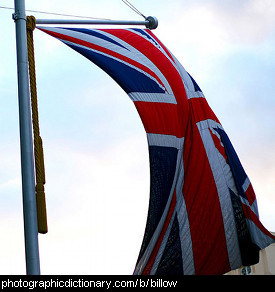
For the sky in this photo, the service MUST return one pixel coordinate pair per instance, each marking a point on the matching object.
(95, 147)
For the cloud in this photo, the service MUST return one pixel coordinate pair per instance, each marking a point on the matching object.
(250, 22)
(12, 252)
(210, 28)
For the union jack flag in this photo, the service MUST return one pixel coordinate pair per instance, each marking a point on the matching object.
(203, 215)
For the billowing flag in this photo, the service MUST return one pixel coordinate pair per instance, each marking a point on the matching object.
(203, 216)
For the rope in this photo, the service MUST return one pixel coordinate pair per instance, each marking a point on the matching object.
(59, 14)
(38, 147)
(133, 8)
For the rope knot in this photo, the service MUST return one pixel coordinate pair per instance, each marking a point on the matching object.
(31, 23)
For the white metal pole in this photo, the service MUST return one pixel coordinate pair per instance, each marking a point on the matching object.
(27, 162)
(150, 22)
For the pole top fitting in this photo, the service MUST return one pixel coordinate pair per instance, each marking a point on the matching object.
(152, 22)
(18, 15)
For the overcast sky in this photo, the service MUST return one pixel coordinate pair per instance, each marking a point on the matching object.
(96, 157)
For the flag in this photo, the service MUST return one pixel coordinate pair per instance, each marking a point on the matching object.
(202, 216)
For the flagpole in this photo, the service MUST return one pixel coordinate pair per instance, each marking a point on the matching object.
(26, 143)
(150, 22)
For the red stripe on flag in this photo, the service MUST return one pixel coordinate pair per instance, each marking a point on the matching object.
(162, 63)
(249, 214)
(201, 110)
(161, 44)
(250, 194)
(203, 207)
(218, 145)
(167, 221)
(159, 118)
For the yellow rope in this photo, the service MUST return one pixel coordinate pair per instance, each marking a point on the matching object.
(38, 148)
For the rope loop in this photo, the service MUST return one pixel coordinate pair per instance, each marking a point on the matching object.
(31, 23)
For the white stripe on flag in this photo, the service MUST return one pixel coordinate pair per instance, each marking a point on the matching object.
(165, 140)
(184, 227)
(223, 180)
(152, 97)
